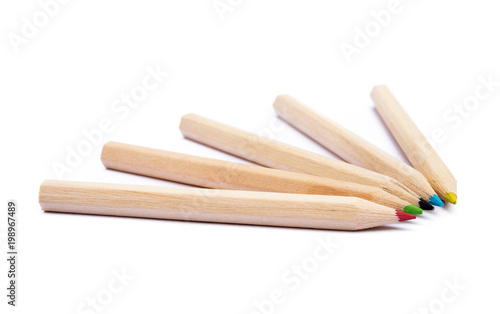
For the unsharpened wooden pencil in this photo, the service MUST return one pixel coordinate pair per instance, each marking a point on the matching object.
(278, 155)
(224, 206)
(414, 144)
(352, 148)
(219, 174)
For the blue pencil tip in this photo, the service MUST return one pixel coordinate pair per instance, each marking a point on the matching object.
(436, 201)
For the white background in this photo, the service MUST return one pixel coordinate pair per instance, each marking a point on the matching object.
(64, 79)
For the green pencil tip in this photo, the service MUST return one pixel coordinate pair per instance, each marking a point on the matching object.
(451, 198)
(412, 209)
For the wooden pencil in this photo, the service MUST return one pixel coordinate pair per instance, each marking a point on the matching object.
(219, 174)
(352, 148)
(414, 144)
(224, 206)
(278, 155)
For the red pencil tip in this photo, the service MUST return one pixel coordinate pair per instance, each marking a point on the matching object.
(404, 216)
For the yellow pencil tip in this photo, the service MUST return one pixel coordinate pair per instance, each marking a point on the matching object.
(451, 198)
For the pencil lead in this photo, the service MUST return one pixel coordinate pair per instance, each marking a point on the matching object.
(451, 198)
(404, 216)
(425, 205)
(436, 201)
(412, 209)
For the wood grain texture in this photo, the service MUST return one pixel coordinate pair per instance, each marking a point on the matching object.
(349, 146)
(224, 206)
(219, 174)
(414, 144)
(278, 155)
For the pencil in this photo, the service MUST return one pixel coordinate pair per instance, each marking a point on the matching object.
(219, 174)
(352, 148)
(414, 144)
(278, 155)
(223, 206)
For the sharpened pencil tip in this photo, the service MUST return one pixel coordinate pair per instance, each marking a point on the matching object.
(404, 216)
(412, 209)
(425, 205)
(436, 201)
(451, 198)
